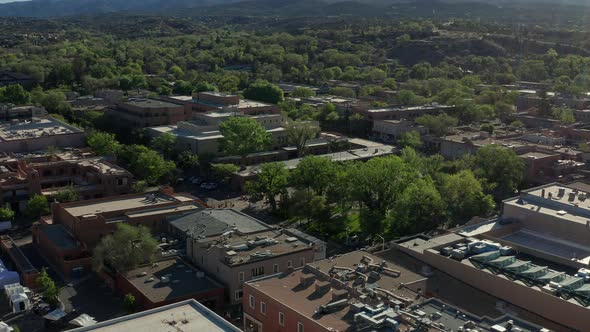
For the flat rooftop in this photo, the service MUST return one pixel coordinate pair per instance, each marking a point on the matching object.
(243, 249)
(35, 128)
(59, 236)
(387, 280)
(182, 316)
(349, 155)
(558, 200)
(409, 108)
(214, 222)
(456, 319)
(307, 290)
(182, 280)
(553, 246)
(113, 204)
(149, 103)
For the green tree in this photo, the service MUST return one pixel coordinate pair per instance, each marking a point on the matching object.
(314, 173)
(303, 92)
(438, 125)
(343, 92)
(307, 205)
(300, 132)
(49, 289)
(103, 144)
(67, 195)
(265, 92)
(6, 213)
(272, 180)
(390, 83)
(188, 160)
(487, 127)
(419, 208)
(165, 144)
(564, 115)
(37, 206)
(129, 303)
(147, 164)
(14, 94)
(243, 135)
(408, 97)
(410, 139)
(502, 169)
(465, 197)
(204, 87)
(375, 185)
(126, 249)
(54, 101)
(225, 171)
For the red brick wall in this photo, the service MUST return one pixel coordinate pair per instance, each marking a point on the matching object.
(270, 321)
(64, 260)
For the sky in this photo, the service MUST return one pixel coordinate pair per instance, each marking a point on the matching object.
(5, 1)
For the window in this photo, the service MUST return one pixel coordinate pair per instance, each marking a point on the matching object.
(302, 261)
(281, 319)
(258, 271)
(241, 276)
(239, 294)
(299, 327)
(263, 308)
(251, 301)
(289, 264)
(275, 268)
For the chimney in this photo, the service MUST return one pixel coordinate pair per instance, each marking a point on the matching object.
(322, 286)
(306, 279)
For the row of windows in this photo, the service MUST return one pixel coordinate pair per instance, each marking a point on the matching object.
(259, 271)
(252, 303)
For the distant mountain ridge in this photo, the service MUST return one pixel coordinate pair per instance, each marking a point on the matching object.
(60, 8)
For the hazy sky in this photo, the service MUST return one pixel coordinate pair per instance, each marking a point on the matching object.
(5, 1)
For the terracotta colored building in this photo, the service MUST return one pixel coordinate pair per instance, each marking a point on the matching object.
(90, 177)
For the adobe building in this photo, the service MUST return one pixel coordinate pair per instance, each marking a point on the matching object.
(140, 113)
(36, 134)
(534, 256)
(23, 176)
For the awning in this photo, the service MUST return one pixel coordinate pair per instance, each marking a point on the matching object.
(56, 314)
(83, 320)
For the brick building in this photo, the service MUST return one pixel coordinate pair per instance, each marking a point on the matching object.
(327, 295)
(139, 113)
(74, 229)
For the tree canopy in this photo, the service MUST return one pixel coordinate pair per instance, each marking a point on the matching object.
(126, 249)
(243, 135)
